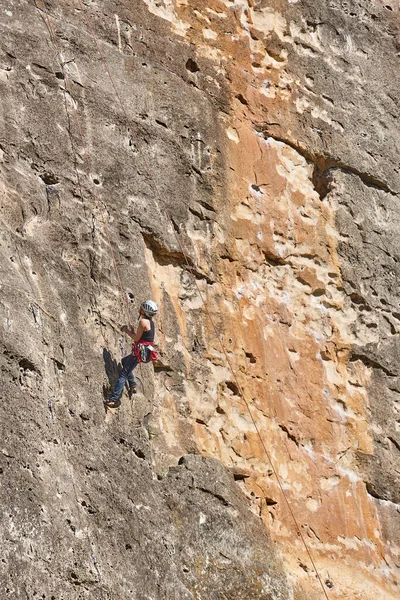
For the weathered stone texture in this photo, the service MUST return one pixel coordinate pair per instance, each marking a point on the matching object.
(263, 135)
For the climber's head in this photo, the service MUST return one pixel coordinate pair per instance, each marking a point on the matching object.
(149, 308)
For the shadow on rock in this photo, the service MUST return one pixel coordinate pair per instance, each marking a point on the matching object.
(112, 368)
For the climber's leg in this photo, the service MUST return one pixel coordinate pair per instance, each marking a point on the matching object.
(128, 364)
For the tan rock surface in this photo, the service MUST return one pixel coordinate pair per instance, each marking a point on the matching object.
(281, 311)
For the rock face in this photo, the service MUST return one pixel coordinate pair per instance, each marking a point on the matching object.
(237, 162)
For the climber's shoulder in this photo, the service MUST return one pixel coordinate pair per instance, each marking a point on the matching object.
(145, 324)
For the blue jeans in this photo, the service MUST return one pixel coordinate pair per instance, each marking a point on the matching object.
(128, 364)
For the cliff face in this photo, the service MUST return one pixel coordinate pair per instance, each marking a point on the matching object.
(268, 131)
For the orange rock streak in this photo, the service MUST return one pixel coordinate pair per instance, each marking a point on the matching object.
(279, 307)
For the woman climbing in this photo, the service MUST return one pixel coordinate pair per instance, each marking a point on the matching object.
(142, 351)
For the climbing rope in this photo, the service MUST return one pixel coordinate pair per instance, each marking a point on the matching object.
(52, 411)
(189, 267)
(59, 57)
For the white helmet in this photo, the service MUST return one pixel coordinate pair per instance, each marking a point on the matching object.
(149, 308)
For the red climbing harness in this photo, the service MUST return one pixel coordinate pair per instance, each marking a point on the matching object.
(144, 351)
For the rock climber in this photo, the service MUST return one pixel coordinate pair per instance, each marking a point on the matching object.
(142, 351)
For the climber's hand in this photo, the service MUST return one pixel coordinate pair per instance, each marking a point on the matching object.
(128, 330)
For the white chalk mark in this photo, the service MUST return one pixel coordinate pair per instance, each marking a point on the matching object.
(119, 33)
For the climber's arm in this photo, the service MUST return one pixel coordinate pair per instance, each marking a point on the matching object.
(131, 332)
(128, 330)
(137, 336)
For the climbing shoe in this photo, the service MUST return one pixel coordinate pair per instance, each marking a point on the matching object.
(132, 390)
(112, 403)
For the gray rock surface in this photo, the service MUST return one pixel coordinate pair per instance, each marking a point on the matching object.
(368, 226)
(345, 56)
(84, 513)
